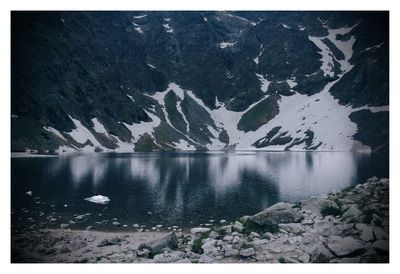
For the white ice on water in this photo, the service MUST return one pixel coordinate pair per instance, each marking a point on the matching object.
(98, 199)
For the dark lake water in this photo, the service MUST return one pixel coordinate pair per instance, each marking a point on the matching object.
(183, 189)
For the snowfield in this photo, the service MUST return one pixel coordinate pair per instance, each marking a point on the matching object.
(298, 114)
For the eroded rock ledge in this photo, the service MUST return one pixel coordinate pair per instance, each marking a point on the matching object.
(350, 226)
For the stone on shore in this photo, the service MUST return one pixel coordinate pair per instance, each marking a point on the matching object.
(200, 230)
(345, 246)
(279, 213)
(107, 242)
(157, 246)
(320, 254)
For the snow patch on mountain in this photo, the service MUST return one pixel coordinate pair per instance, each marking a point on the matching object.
(55, 132)
(167, 26)
(257, 59)
(81, 134)
(327, 56)
(264, 82)
(183, 145)
(138, 129)
(98, 127)
(223, 45)
(372, 109)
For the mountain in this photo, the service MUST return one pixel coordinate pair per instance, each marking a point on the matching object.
(204, 80)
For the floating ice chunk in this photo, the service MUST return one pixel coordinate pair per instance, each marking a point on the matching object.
(29, 193)
(98, 199)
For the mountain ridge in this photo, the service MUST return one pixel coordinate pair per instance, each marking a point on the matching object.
(141, 81)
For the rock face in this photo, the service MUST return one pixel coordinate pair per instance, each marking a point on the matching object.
(277, 214)
(98, 72)
(319, 238)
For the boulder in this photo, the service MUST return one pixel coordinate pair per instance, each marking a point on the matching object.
(320, 254)
(204, 259)
(344, 230)
(294, 228)
(238, 227)
(319, 204)
(366, 233)
(248, 252)
(279, 213)
(200, 230)
(305, 258)
(171, 257)
(352, 214)
(157, 246)
(345, 246)
(106, 242)
(381, 246)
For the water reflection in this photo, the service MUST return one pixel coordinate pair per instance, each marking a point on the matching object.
(190, 186)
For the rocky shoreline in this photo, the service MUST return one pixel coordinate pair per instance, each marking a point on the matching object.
(348, 226)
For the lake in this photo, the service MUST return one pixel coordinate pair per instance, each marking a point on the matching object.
(179, 188)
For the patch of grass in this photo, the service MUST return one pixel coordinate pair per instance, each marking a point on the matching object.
(250, 226)
(198, 242)
(297, 205)
(282, 260)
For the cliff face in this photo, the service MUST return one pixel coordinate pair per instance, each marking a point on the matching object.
(124, 81)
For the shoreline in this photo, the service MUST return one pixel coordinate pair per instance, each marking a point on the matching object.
(75, 153)
(348, 226)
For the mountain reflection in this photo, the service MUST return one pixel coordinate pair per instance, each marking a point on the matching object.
(183, 186)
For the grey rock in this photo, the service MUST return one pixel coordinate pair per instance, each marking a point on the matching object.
(65, 249)
(320, 254)
(294, 240)
(210, 247)
(253, 235)
(316, 204)
(230, 251)
(144, 252)
(380, 233)
(353, 213)
(157, 246)
(381, 246)
(227, 229)
(346, 260)
(277, 214)
(344, 230)
(64, 226)
(344, 246)
(228, 238)
(200, 230)
(106, 242)
(204, 259)
(305, 258)
(171, 257)
(248, 252)
(238, 227)
(294, 228)
(366, 232)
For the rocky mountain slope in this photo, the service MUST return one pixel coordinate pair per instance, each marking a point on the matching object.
(125, 81)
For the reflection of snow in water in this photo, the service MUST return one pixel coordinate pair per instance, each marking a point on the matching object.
(176, 180)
